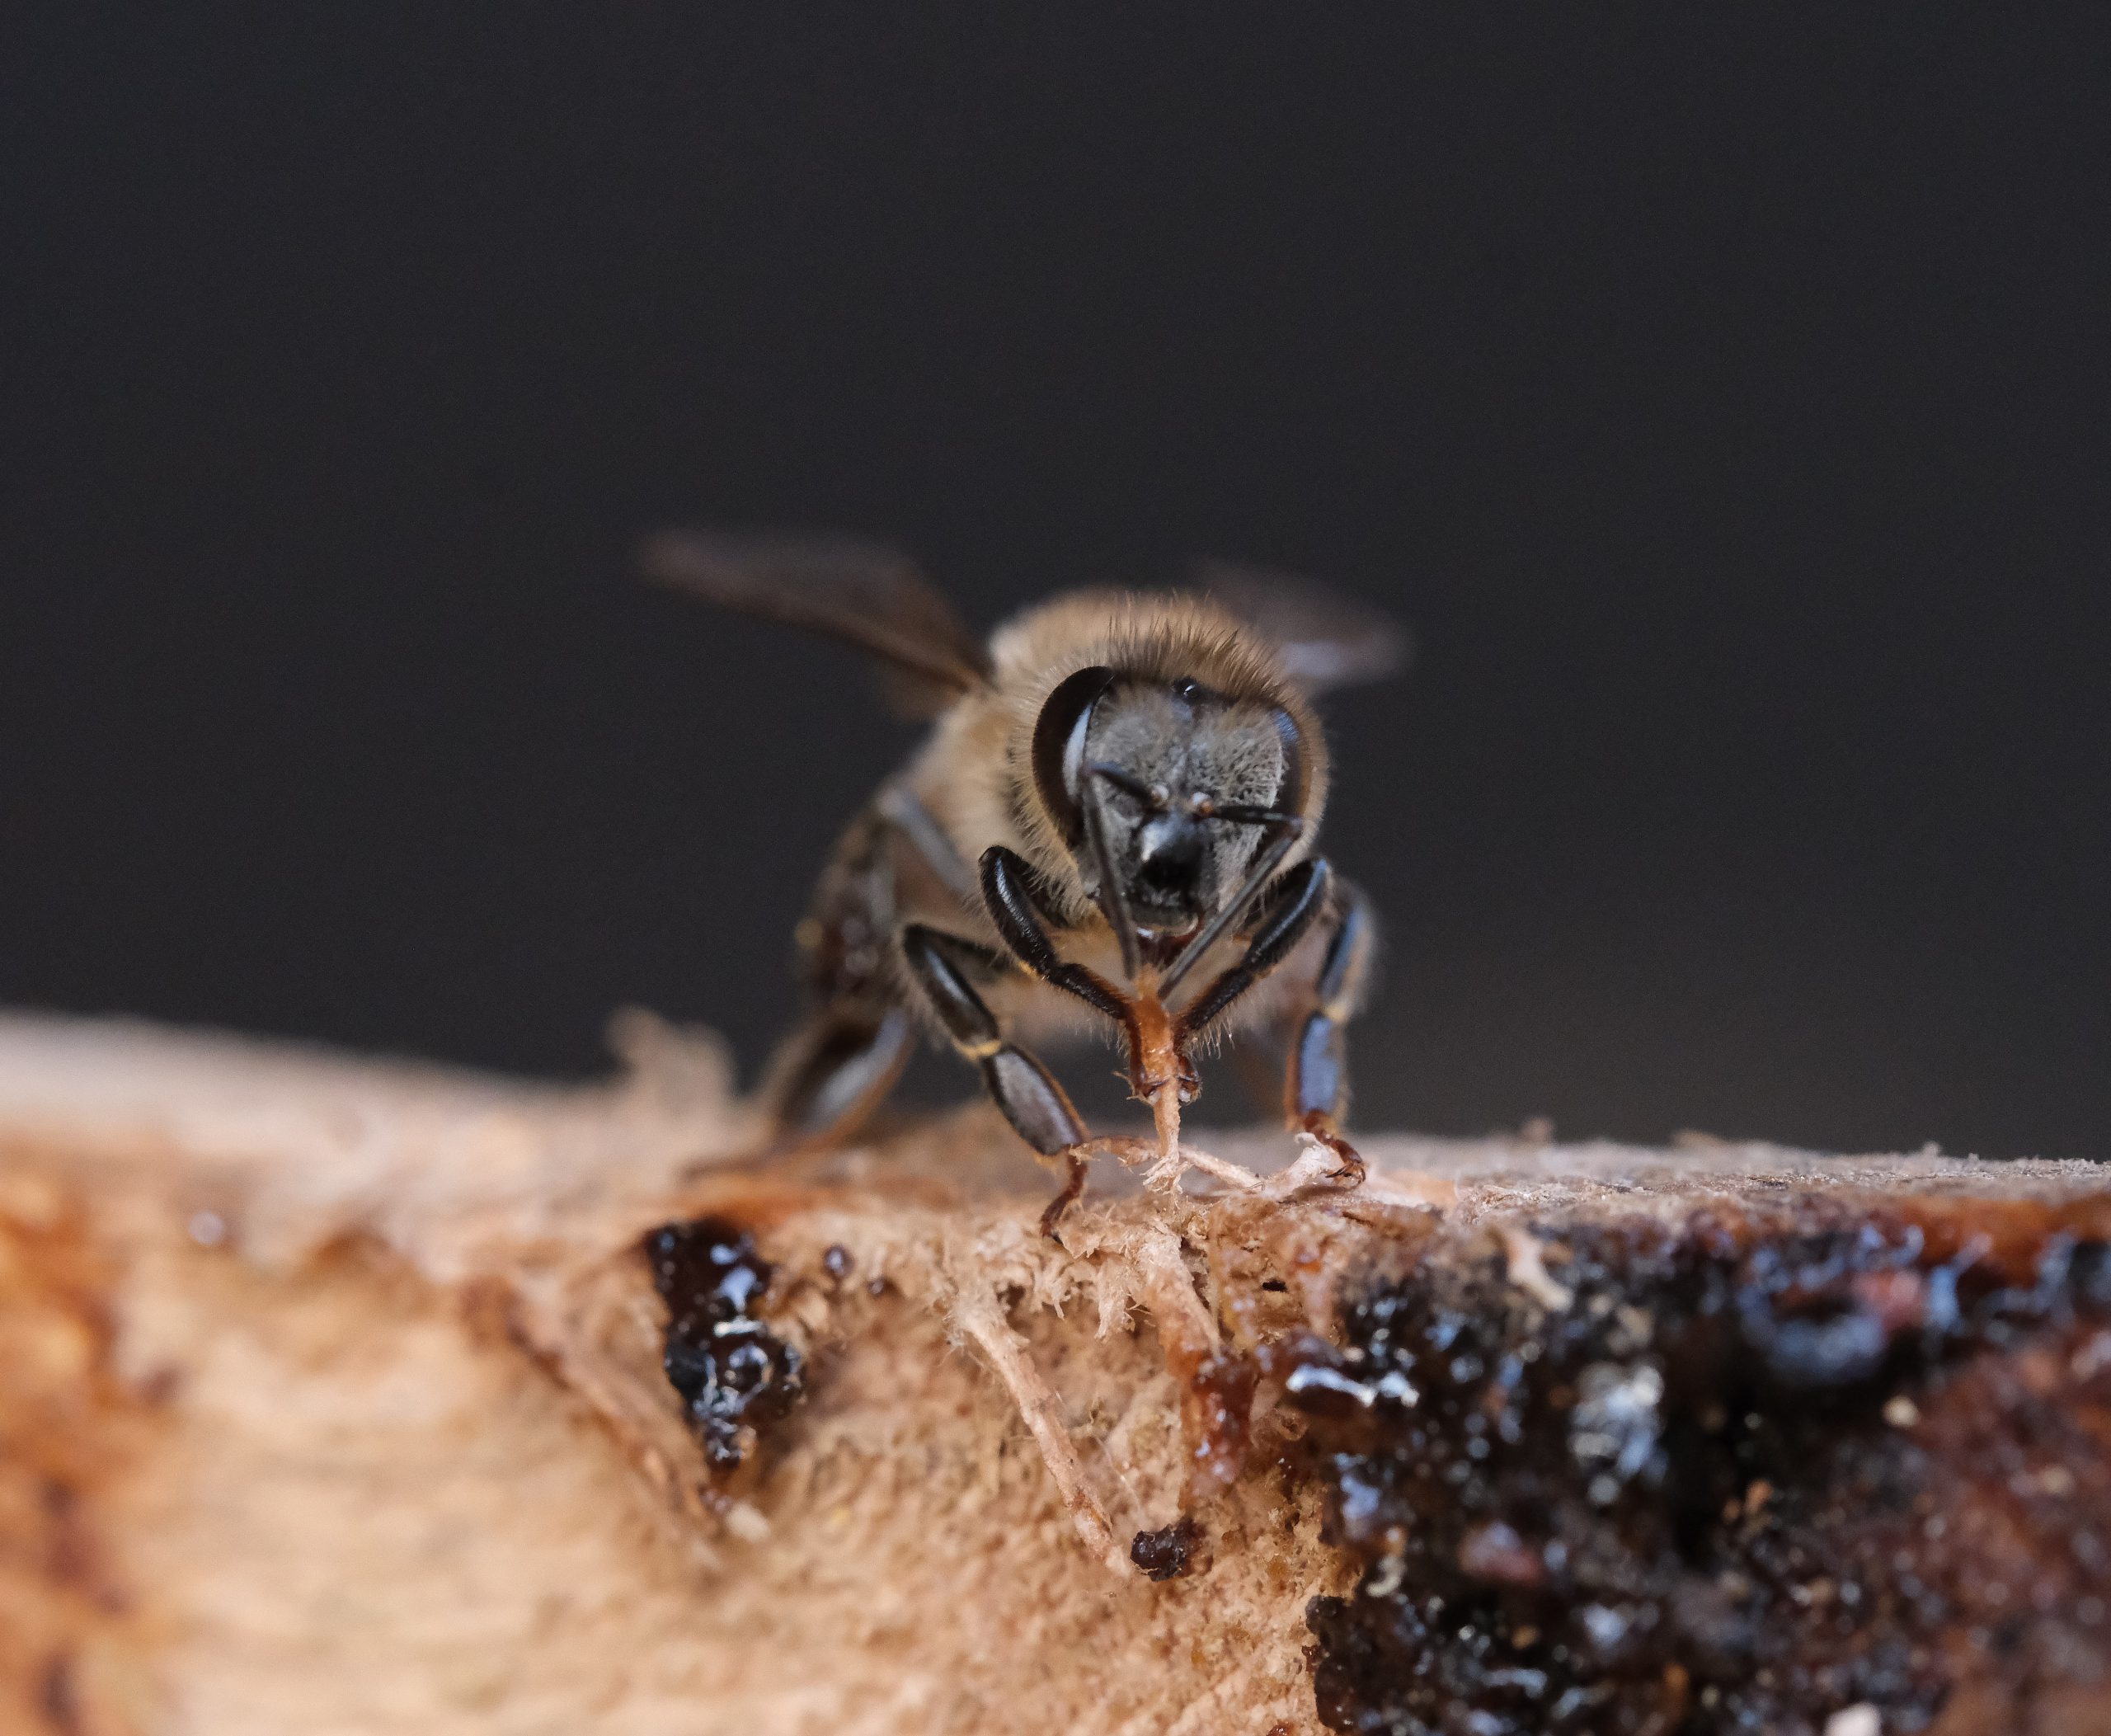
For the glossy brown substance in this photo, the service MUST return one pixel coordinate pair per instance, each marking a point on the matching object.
(1162, 1554)
(734, 1375)
(1743, 1471)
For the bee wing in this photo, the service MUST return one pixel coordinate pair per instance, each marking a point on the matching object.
(863, 594)
(1325, 639)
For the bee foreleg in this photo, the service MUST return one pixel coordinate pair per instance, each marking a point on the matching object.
(1037, 1108)
(1288, 916)
(1008, 891)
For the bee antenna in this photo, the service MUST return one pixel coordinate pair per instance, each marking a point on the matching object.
(1237, 814)
(1113, 904)
(1130, 784)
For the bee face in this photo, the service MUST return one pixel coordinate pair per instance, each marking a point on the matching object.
(1161, 758)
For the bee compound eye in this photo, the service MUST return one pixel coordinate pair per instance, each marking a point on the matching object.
(1059, 745)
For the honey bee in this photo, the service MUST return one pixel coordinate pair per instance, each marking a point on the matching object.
(1113, 821)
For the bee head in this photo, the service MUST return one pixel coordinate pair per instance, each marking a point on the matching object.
(1161, 780)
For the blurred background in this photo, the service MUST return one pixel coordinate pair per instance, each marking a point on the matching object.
(1723, 403)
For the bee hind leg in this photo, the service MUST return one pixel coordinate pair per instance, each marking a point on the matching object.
(1027, 1093)
(833, 1073)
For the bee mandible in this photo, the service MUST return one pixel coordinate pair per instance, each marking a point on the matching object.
(1114, 818)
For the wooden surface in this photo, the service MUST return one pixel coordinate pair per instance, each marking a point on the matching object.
(332, 1402)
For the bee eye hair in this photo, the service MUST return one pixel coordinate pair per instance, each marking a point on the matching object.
(1296, 772)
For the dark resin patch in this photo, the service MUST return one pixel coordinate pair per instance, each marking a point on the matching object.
(734, 1377)
(1732, 1477)
(1162, 1554)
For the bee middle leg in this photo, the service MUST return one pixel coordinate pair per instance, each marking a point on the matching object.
(1315, 1086)
(1038, 1108)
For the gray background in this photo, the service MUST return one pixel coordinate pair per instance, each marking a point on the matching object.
(1723, 403)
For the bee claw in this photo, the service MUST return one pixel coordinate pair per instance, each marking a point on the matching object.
(1074, 1184)
(1347, 1163)
(1322, 1159)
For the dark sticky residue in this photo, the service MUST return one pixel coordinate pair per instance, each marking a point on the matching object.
(1162, 1554)
(734, 1375)
(1731, 1477)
